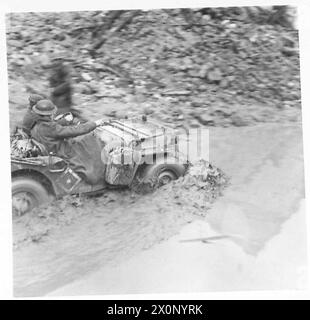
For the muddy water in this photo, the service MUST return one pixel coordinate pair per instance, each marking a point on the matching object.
(265, 163)
(75, 237)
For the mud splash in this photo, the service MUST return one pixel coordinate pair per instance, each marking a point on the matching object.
(75, 235)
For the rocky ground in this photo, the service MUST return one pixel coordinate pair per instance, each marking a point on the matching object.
(188, 67)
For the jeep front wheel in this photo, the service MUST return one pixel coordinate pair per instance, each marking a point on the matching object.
(164, 177)
(27, 194)
(162, 174)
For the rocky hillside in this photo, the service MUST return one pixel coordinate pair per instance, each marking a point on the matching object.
(222, 67)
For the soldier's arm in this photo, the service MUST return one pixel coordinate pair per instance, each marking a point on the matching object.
(73, 131)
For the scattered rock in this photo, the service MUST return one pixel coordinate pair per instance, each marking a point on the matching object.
(86, 76)
(82, 88)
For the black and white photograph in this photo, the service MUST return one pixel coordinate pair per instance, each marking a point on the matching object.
(156, 150)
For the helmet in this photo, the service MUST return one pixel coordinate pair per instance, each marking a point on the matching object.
(34, 98)
(44, 108)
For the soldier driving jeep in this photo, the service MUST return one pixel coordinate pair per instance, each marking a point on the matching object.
(58, 139)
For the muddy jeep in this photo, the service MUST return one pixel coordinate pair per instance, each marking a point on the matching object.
(135, 151)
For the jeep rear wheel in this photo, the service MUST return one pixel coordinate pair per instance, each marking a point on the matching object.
(27, 194)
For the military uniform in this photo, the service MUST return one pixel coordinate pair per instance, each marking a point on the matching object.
(29, 120)
(83, 154)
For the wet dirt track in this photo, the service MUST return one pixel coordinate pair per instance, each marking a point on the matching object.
(266, 168)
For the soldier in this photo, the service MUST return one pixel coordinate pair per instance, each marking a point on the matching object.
(61, 89)
(83, 155)
(30, 117)
(60, 82)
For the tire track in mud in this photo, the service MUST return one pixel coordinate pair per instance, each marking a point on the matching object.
(74, 236)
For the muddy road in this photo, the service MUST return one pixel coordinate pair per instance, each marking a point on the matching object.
(76, 237)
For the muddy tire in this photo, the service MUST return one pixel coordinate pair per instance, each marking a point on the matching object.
(161, 174)
(27, 194)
